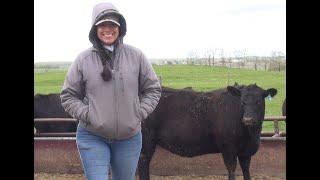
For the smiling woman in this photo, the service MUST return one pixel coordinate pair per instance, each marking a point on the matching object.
(110, 88)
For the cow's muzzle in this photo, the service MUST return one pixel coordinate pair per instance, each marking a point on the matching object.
(248, 121)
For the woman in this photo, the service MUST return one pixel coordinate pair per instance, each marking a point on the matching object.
(110, 88)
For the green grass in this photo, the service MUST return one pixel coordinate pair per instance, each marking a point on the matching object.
(200, 78)
(48, 82)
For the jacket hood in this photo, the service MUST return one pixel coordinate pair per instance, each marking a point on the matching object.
(99, 11)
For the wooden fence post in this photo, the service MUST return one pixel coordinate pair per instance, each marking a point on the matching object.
(276, 128)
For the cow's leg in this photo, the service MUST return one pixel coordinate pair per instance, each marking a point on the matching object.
(148, 149)
(230, 161)
(245, 165)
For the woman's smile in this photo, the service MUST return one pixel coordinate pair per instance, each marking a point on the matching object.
(108, 32)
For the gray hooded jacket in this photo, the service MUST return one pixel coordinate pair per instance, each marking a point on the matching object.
(112, 109)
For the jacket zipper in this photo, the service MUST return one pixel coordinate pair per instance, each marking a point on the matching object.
(116, 104)
(116, 71)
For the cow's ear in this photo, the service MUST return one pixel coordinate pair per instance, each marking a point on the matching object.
(234, 91)
(272, 92)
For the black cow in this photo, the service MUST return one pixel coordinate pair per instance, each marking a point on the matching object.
(227, 121)
(284, 107)
(49, 106)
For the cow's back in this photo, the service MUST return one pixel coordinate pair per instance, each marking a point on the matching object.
(198, 123)
(179, 119)
(49, 106)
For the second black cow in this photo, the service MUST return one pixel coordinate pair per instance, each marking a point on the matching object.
(189, 123)
(49, 106)
(284, 107)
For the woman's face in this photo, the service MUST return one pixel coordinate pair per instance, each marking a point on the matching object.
(107, 32)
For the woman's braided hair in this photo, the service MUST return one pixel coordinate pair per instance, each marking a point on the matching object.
(105, 57)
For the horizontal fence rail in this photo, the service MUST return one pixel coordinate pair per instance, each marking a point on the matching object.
(54, 120)
(71, 121)
(275, 118)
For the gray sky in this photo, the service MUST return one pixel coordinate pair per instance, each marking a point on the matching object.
(164, 28)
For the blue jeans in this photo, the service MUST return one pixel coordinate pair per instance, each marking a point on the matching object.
(98, 154)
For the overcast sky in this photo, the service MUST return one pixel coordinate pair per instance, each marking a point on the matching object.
(164, 28)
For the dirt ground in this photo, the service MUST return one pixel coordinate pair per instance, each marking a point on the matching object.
(46, 176)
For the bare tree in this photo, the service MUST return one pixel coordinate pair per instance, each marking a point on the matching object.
(265, 64)
(223, 59)
(240, 57)
(209, 54)
(255, 63)
(229, 61)
(192, 57)
(276, 57)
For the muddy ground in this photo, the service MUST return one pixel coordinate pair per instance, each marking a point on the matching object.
(46, 176)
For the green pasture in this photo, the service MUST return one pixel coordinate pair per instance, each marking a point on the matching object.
(200, 78)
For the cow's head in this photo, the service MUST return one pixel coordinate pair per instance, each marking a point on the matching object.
(252, 102)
